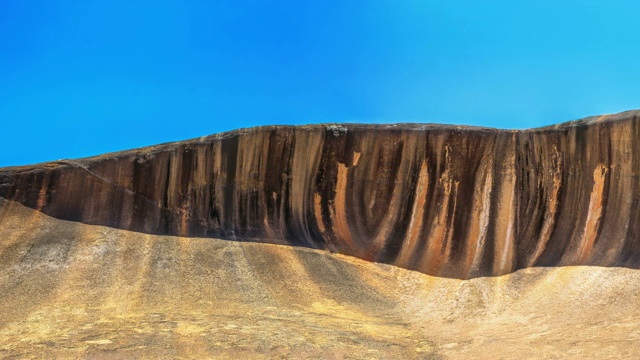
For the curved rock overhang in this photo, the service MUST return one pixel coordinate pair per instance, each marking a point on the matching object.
(450, 201)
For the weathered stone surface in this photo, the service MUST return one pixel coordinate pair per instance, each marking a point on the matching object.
(449, 201)
(74, 291)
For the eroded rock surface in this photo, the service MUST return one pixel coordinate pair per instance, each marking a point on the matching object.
(449, 201)
(75, 291)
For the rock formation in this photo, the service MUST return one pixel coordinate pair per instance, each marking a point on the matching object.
(74, 291)
(449, 201)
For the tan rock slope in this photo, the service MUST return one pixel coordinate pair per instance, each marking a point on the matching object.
(75, 291)
(449, 201)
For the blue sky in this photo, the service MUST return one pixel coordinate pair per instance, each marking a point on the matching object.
(80, 78)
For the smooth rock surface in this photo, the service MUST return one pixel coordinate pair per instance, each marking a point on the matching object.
(70, 290)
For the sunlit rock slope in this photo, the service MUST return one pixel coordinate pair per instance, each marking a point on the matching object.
(74, 291)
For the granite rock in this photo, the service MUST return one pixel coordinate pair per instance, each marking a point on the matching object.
(449, 201)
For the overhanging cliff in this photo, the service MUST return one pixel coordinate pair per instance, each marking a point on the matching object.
(444, 200)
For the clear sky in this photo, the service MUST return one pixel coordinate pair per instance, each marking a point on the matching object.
(80, 78)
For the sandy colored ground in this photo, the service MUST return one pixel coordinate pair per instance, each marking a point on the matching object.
(69, 290)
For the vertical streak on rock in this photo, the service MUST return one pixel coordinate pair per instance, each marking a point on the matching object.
(432, 258)
(505, 220)
(125, 175)
(304, 167)
(480, 210)
(417, 217)
(175, 162)
(317, 211)
(262, 197)
(198, 191)
(172, 199)
(390, 221)
(215, 213)
(339, 212)
(184, 217)
(229, 150)
(446, 254)
(617, 217)
(165, 194)
(630, 252)
(185, 189)
(550, 211)
(201, 169)
(356, 157)
(244, 174)
(594, 214)
(286, 142)
(573, 197)
(252, 185)
(44, 189)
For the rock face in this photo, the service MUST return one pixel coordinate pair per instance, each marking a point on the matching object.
(448, 201)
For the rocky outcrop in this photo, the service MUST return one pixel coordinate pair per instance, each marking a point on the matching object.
(74, 291)
(449, 201)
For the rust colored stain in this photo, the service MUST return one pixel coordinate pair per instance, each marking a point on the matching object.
(317, 211)
(42, 195)
(594, 215)
(42, 198)
(339, 213)
(505, 218)
(356, 157)
(184, 225)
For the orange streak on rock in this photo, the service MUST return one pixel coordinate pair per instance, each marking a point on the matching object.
(593, 215)
(504, 235)
(339, 210)
(184, 217)
(356, 157)
(304, 166)
(415, 226)
(317, 211)
(42, 195)
(42, 198)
